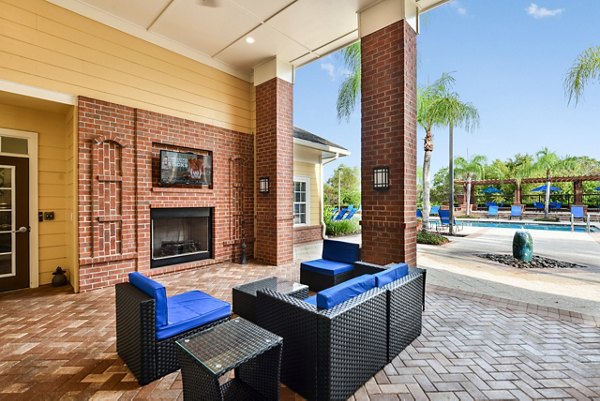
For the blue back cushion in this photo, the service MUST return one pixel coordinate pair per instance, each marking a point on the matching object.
(577, 211)
(154, 290)
(341, 251)
(390, 274)
(333, 296)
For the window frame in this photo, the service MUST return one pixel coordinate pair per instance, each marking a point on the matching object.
(305, 180)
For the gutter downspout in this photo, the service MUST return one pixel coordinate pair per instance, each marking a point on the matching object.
(324, 228)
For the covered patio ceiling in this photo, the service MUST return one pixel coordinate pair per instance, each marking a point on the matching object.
(217, 32)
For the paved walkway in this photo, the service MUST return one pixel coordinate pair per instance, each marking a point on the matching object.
(56, 345)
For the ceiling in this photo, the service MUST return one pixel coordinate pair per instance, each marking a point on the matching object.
(215, 31)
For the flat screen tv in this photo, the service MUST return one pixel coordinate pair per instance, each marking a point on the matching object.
(185, 168)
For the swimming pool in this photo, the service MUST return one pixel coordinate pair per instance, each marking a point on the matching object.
(527, 226)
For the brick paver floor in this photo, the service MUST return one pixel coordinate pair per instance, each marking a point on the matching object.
(56, 345)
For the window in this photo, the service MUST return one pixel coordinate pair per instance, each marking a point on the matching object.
(301, 195)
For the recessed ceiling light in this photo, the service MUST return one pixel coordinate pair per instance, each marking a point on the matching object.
(249, 39)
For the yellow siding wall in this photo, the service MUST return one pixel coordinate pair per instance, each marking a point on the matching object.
(312, 171)
(46, 46)
(52, 176)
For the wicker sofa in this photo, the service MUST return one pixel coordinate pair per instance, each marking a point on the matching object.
(329, 353)
(148, 324)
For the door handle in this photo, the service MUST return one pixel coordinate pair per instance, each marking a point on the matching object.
(22, 230)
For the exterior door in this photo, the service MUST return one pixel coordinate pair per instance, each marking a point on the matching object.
(14, 223)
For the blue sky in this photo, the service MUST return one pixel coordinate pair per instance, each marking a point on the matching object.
(509, 59)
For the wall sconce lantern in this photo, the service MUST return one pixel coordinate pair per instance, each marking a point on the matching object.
(263, 185)
(381, 178)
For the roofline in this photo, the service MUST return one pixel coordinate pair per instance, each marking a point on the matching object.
(325, 148)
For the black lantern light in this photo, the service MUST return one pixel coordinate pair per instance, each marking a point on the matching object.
(263, 185)
(381, 178)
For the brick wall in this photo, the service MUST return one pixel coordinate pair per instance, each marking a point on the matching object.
(274, 159)
(118, 186)
(389, 136)
(307, 234)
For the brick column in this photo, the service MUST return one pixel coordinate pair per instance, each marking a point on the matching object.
(274, 159)
(389, 138)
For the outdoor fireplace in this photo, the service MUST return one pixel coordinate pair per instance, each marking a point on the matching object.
(180, 235)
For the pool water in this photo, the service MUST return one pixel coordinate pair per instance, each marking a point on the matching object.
(527, 226)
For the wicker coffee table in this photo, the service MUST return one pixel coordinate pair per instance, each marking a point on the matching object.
(244, 296)
(253, 352)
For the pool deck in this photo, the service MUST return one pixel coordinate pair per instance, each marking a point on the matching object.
(456, 267)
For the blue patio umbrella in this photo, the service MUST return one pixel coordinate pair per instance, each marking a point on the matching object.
(492, 190)
(543, 189)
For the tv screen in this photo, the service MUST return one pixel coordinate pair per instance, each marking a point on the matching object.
(178, 168)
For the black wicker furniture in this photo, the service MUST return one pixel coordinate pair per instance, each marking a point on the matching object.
(328, 353)
(244, 296)
(253, 352)
(335, 266)
(405, 304)
(148, 324)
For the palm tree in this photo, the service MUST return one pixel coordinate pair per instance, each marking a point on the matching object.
(546, 161)
(519, 167)
(350, 88)
(428, 118)
(469, 169)
(586, 67)
(451, 111)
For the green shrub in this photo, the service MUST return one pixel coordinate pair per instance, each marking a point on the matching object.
(429, 238)
(341, 227)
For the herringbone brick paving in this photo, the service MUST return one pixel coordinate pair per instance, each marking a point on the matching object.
(56, 345)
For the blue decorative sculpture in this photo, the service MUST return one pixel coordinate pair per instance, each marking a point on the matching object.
(523, 246)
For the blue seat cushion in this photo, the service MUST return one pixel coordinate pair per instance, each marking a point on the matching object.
(340, 251)
(326, 267)
(190, 310)
(311, 300)
(390, 274)
(154, 290)
(342, 292)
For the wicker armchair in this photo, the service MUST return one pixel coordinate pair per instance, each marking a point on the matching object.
(147, 358)
(327, 354)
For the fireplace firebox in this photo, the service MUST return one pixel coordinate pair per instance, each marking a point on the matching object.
(180, 235)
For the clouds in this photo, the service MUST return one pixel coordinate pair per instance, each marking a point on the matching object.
(330, 69)
(460, 9)
(538, 12)
(335, 72)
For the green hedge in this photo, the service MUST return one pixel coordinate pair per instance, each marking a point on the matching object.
(342, 227)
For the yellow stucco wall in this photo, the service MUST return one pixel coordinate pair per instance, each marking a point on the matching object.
(46, 46)
(55, 248)
(312, 171)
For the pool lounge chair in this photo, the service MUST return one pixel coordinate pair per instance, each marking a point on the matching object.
(577, 212)
(492, 211)
(555, 205)
(445, 220)
(342, 213)
(350, 214)
(516, 211)
(434, 210)
(419, 214)
(538, 206)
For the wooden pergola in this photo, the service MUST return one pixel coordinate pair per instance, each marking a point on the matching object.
(576, 180)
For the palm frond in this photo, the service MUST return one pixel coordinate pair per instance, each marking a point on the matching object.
(585, 68)
(350, 88)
